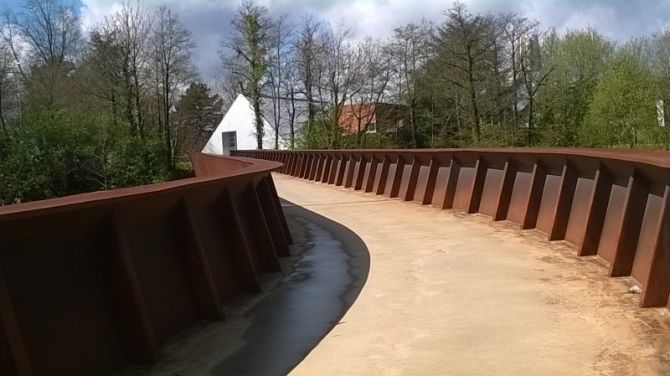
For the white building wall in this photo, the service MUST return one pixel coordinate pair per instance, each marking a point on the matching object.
(239, 118)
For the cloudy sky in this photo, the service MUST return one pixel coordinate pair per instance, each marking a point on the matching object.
(209, 20)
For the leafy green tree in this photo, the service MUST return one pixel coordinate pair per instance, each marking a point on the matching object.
(197, 113)
(623, 110)
(45, 157)
(579, 60)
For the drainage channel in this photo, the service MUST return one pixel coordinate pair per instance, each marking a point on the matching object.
(271, 334)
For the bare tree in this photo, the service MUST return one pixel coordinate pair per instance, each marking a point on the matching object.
(10, 34)
(409, 50)
(227, 85)
(131, 28)
(247, 56)
(465, 45)
(8, 86)
(309, 51)
(279, 51)
(102, 70)
(52, 34)
(535, 70)
(52, 30)
(517, 31)
(172, 47)
(375, 74)
(291, 88)
(342, 76)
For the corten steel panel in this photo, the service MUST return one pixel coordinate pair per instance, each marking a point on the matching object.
(506, 186)
(327, 165)
(294, 164)
(221, 242)
(648, 237)
(564, 203)
(425, 183)
(247, 270)
(309, 166)
(547, 211)
(657, 284)
(159, 264)
(60, 274)
(394, 178)
(341, 170)
(408, 179)
(464, 187)
(326, 168)
(359, 172)
(319, 168)
(297, 166)
(539, 178)
(492, 190)
(636, 202)
(272, 216)
(381, 176)
(334, 168)
(520, 194)
(595, 220)
(7, 366)
(302, 166)
(441, 182)
(314, 167)
(609, 237)
(349, 171)
(387, 184)
(391, 180)
(254, 229)
(318, 165)
(278, 207)
(579, 211)
(370, 174)
(197, 266)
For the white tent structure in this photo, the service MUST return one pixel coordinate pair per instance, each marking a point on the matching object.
(237, 130)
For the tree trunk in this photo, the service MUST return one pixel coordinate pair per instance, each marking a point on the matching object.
(515, 79)
(166, 116)
(292, 119)
(412, 120)
(530, 121)
(476, 132)
(138, 105)
(2, 117)
(259, 119)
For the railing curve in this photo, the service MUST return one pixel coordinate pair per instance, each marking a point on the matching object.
(612, 204)
(92, 282)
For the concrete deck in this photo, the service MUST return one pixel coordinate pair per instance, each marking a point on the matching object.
(453, 294)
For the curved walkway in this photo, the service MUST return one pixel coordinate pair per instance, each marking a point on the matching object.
(459, 295)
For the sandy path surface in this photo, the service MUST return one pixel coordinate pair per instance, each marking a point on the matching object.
(459, 295)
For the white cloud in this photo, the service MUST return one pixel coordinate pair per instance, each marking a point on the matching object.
(209, 20)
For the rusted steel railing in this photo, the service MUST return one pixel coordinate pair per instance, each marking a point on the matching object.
(92, 282)
(613, 204)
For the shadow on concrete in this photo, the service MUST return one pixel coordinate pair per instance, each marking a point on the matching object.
(317, 290)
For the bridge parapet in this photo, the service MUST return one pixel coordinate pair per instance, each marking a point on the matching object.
(92, 282)
(612, 204)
